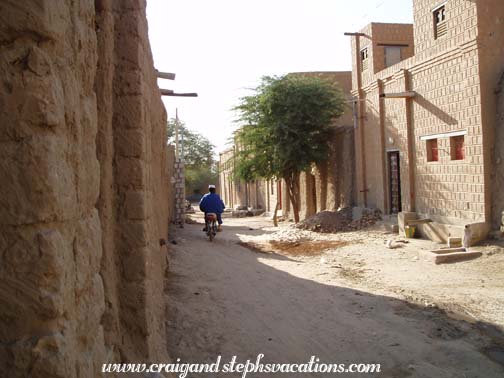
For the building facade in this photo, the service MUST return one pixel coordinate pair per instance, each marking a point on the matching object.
(427, 115)
(238, 194)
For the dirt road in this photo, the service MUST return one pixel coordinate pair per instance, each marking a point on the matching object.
(228, 300)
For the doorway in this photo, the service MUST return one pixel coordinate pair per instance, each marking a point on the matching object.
(394, 182)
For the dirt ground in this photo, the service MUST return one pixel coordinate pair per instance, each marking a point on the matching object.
(344, 298)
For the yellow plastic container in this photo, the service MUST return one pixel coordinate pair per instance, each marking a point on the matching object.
(409, 231)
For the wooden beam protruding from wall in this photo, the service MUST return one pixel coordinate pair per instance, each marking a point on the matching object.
(165, 75)
(408, 94)
(165, 92)
(172, 94)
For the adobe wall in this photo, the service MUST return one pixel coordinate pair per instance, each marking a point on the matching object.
(84, 200)
(134, 169)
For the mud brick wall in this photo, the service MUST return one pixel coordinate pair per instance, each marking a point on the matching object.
(83, 200)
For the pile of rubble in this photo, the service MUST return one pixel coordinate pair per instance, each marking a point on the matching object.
(341, 220)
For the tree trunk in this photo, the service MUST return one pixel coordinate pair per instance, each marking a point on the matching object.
(292, 183)
(275, 220)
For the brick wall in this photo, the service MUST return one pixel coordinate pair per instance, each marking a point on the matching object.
(453, 77)
(491, 58)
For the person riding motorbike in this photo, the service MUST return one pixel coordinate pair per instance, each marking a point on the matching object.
(212, 203)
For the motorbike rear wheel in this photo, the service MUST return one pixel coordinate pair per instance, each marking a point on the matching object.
(211, 230)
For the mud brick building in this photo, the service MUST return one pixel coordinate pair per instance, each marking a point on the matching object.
(427, 116)
(85, 196)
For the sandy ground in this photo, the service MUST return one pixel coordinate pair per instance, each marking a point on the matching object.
(347, 300)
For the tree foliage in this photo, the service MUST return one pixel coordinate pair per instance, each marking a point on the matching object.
(286, 126)
(200, 165)
(198, 150)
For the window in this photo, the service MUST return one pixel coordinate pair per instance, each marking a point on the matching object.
(364, 59)
(457, 150)
(432, 150)
(440, 27)
(272, 187)
(392, 55)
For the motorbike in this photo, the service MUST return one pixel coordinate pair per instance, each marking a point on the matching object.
(211, 225)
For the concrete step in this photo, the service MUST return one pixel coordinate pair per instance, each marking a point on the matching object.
(450, 255)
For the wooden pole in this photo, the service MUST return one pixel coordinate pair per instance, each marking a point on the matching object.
(176, 134)
(181, 144)
(165, 92)
(171, 94)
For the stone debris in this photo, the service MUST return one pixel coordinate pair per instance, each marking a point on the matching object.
(341, 220)
(291, 235)
(390, 244)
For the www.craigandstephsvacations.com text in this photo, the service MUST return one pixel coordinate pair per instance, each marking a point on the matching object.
(314, 365)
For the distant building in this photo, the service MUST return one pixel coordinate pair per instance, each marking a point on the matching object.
(237, 194)
(426, 121)
(324, 187)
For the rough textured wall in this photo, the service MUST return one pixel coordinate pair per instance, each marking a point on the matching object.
(83, 203)
(133, 196)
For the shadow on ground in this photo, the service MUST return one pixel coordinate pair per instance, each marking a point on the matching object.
(224, 299)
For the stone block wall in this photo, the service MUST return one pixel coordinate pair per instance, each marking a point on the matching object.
(84, 201)
(454, 78)
(170, 181)
(462, 26)
(491, 72)
(179, 196)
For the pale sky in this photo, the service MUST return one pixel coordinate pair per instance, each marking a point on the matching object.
(218, 48)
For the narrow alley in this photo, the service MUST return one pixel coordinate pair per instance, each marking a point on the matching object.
(225, 299)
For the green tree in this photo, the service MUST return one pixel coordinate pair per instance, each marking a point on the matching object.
(198, 151)
(286, 126)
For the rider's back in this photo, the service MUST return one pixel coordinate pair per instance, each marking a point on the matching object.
(211, 203)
